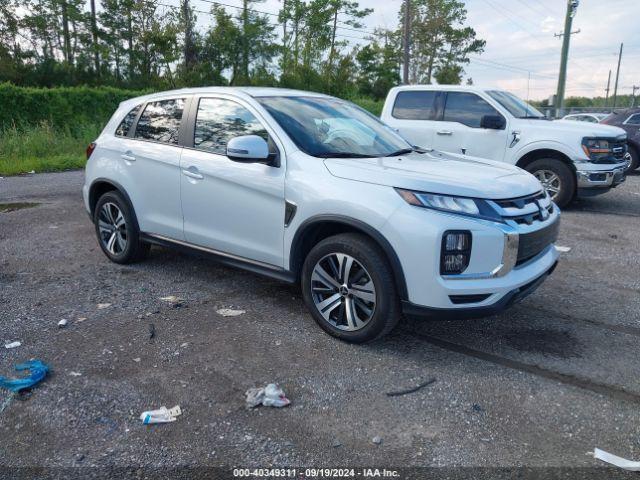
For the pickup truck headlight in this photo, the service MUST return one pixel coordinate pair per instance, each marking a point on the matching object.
(447, 203)
(596, 148)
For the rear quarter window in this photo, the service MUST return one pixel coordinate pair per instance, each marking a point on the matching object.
(415, 105)
(127, 121)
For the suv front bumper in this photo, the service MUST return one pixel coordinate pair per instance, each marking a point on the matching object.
(594, 179)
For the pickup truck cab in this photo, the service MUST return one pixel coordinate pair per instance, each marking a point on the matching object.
(569, 158)
(311, 189)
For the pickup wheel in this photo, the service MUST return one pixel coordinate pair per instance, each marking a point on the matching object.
(635, 159)
(117, 229)
(556, 178)
(348, 286)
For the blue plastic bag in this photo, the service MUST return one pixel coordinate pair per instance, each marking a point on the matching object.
(38, 370)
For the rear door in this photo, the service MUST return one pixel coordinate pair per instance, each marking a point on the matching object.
(231, 207)
(413, 115)
(149, 157)
(459, 130)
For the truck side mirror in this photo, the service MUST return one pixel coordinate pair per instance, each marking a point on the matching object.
(493, 122)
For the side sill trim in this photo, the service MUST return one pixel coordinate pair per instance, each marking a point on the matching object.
(222, 257)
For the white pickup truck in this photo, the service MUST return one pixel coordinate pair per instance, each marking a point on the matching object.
(569, 158)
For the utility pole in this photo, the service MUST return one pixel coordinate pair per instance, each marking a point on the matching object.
(606, 99)
(94, 35)
(633, 95)
(615, 89)
(572, 7)
(406, 40)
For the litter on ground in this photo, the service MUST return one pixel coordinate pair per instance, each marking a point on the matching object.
(229, 312)
(102, 306)
(63, 323)
(411, 390)
(563, 249)
(75, 374)
(161, 415)
(37, 371)
(269, 396)
(12, 345)
(617, 461)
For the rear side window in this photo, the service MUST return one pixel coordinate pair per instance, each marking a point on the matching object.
(467, 109)
(414, 105)
(160, 121)
(127, 121)
(219, 120)
(633, 119)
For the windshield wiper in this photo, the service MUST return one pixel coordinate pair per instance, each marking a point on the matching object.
(405, 151)
(344, 155)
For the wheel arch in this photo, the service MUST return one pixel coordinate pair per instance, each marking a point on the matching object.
(100, 186)
(317, 228)
(540, 153)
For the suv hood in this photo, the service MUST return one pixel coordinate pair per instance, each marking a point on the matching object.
(438, 172)
(584, 129)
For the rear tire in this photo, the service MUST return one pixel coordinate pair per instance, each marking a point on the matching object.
(556, 178)
(349, 288)
(117, 229)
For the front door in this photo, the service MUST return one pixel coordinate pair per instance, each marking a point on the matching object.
(459, 130)
(234, 208)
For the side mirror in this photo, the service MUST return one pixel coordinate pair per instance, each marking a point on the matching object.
(493, 122)
(248, 149)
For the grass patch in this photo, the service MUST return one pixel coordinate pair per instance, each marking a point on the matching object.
(42, 148)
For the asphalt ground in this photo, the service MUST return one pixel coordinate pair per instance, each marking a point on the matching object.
(536, 387)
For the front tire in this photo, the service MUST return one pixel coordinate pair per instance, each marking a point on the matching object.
(556, 178)
(117, 229)
(635, 159)
(349, 288)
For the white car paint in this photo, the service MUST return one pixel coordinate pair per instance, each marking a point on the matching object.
(209, 202)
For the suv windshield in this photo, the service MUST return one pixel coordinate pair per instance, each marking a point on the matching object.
(516, 106)
(328, 127)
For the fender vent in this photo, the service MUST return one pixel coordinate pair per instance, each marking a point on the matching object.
(289, 212)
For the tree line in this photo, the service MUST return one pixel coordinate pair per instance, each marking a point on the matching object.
(140, 44)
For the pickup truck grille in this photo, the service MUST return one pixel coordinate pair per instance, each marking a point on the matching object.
(525, 210)
(531, 244)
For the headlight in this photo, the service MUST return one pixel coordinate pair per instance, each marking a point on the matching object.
(596, 148)
(446, 203)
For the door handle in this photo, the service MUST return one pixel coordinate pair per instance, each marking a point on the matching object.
(444, 132)
(192, 174)
(128, 156)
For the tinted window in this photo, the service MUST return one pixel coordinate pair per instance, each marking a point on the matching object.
(411, 105)
(466, 108)
(219, 120)
(125, 125)
(160, 121)
(634, 119)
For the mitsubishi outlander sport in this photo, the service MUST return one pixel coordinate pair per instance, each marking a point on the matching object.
(308, 188)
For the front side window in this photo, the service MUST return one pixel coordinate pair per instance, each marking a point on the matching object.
(467, 109)
(328, 127)
(160, 121)
(127, 121)
(633, 119)
(218, 120)
(415, 105)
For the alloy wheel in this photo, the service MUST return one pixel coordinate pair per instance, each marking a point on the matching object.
(550, 181)
(343, 291)
(112, 227)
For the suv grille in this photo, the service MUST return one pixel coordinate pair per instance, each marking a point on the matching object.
(531, 244)
(526, 210)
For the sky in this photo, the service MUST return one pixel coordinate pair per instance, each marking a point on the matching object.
(520, 39)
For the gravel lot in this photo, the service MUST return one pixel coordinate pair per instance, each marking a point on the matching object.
(538, 386)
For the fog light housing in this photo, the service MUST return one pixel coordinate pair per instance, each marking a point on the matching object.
(456, 252)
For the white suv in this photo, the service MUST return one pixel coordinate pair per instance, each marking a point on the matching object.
(308, 188)
(569, 158)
